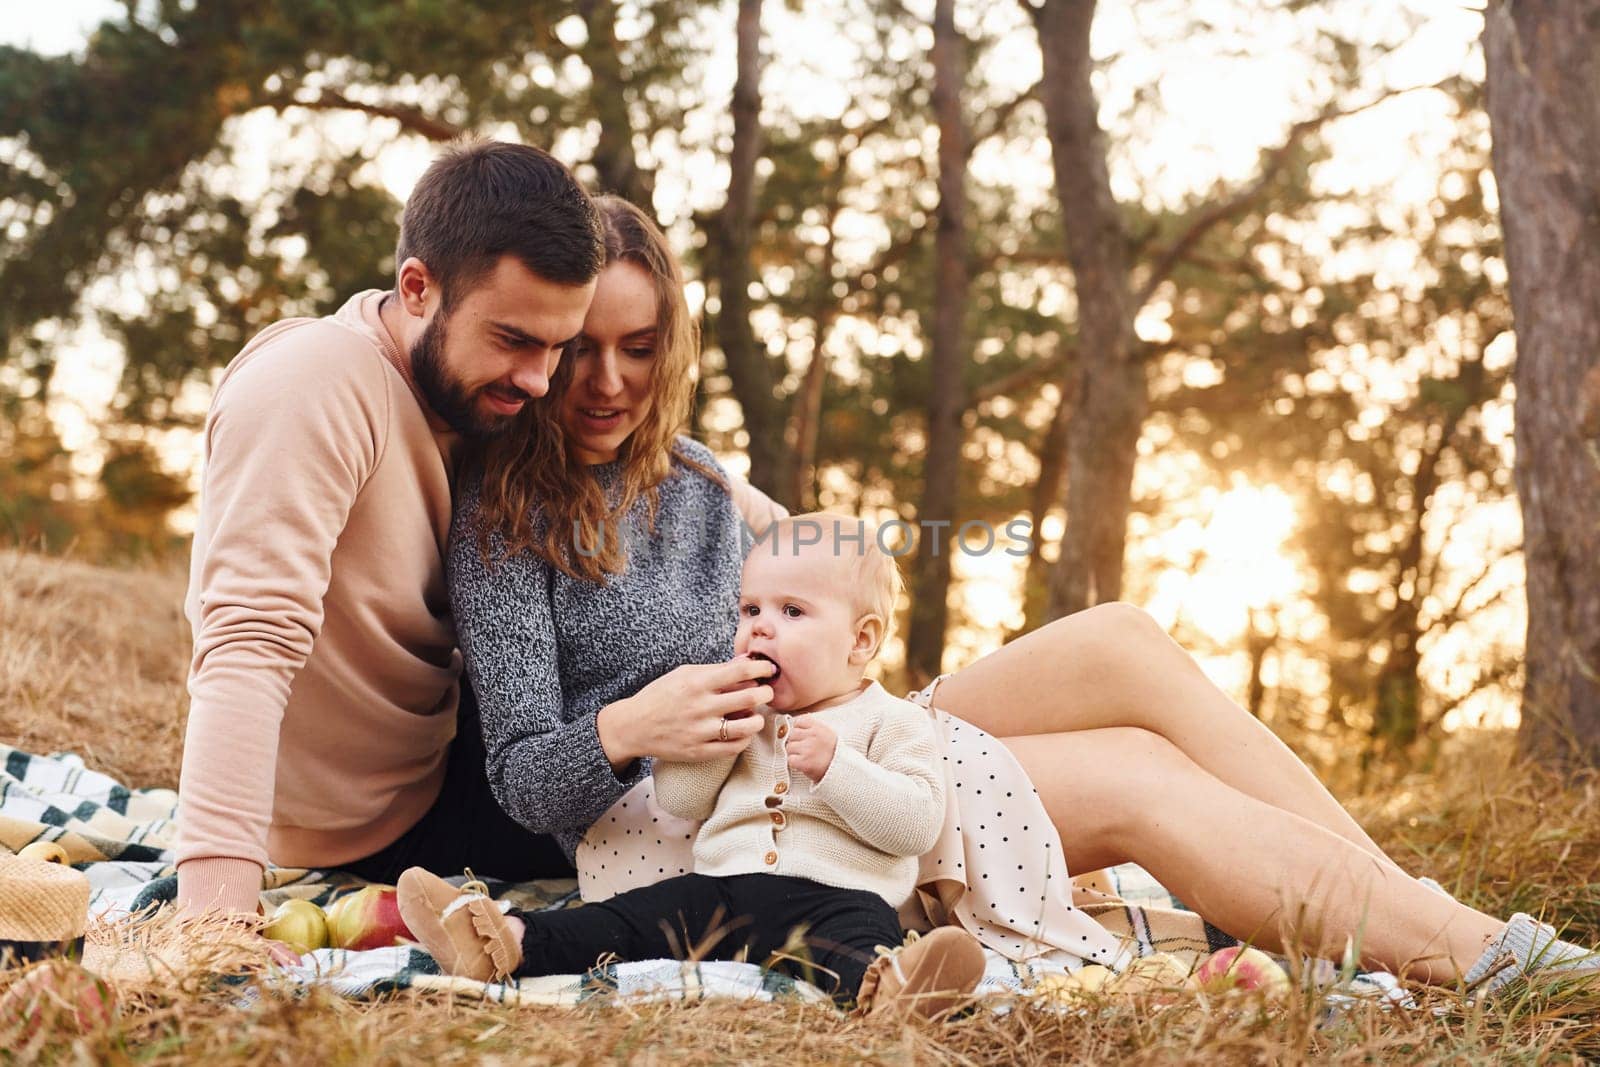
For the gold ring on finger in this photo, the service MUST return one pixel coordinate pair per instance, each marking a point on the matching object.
(722, 731)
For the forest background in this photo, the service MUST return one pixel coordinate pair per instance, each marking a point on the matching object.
(1213, 295)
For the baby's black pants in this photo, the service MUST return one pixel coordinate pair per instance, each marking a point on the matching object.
(748, 916)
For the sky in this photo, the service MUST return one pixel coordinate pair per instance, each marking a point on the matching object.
(54, 27)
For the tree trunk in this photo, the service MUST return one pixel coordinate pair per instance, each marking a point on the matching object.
(1046, 492)
(749, 367)
(1258, 642)
(614, 160)
(1543, 63)
(1109, 386)
(930, 589)
(1397, 714)
(1397, 711)
(805, 416)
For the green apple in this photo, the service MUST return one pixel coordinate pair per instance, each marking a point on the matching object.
(299, 924)
(1075, 989)
(45, 852)
(1160, 971)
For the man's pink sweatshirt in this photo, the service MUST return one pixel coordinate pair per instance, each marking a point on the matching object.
(324, 680)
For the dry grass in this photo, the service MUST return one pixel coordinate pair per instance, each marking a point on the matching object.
(92, 660)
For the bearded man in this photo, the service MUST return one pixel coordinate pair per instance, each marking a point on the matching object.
(328, 725)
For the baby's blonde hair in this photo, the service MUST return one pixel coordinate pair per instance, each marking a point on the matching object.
(873, 574)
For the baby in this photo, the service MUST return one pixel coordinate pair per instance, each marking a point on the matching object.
(810, 834)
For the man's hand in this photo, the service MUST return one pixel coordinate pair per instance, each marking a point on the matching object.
(279, 953)
(811, 746)
(228, 940)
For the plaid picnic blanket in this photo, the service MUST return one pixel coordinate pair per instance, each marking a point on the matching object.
(122, 840)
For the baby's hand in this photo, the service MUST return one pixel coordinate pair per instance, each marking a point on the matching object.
(810, 747)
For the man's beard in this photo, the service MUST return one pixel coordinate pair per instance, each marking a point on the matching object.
(447, 396)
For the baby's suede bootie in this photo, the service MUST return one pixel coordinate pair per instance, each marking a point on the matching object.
(930, 975)
(463, 929)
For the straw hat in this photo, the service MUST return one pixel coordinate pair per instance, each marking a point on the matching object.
(41, 902)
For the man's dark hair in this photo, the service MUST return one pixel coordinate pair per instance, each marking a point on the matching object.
(481, 200)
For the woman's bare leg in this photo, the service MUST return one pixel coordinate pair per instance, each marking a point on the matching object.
(1251, 868)
(1113, 665)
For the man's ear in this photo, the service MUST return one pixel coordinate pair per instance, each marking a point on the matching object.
(869, 635)
(416, 287)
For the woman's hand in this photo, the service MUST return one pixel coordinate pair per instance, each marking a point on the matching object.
(696, 712)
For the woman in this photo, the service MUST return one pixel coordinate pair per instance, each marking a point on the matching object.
(595, 528)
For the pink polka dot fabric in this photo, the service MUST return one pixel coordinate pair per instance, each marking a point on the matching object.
(997, 869)
(634, 843)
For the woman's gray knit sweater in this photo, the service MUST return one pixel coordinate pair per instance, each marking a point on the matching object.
(545, 652)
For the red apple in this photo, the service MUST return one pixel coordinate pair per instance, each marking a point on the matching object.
(299, 924)
(367, 918)
(58, 995)
(1240, 967)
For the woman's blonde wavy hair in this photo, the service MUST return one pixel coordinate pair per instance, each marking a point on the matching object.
(530, 467)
